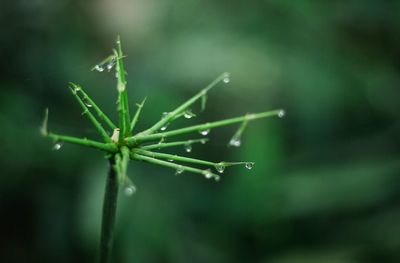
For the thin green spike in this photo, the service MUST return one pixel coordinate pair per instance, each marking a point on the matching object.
(91, 117)
(44, 128)
(96, 108)
(137, 114)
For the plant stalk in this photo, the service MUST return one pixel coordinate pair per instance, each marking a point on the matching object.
(109, 213)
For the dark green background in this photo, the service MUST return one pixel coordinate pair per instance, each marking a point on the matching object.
(325, 187)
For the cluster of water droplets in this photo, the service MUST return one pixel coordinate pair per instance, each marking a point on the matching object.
(108, 64)
(208, 175)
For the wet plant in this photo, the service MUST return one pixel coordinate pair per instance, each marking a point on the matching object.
(121, 143)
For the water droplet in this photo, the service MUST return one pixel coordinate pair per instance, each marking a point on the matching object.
(161, 140)
(188, 147)
(179, 170)
(163, 128)
(111, 64)
(188, 114)
(87, 103)
(217, 178)
(203, 141)
(220, 167)
(129, 190)
(235, 141)
(281, 114)
(57, 146)
(170, 160)
(226, 79)
(207, 174)
(99, 68)
(249, 165)
(76, 89)
(204, 132)
(164, 115)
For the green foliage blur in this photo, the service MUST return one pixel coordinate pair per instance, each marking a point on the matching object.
(325, 186)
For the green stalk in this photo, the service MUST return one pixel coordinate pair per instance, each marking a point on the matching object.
(109, 211)
(205, 126)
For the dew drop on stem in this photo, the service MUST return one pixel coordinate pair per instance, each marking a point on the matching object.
(207, 174)
(203, 141)
(129, 190)
(226, 79)
(188, 147)
(188, 114)
(235, 141)
(179, 170)
(164, 115)
(249, 165)
(204, 132)
(99, 68)
(220, 167)
(281, 114)
(57, 146)
(87, 103)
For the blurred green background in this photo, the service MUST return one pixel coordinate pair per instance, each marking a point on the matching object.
(325, 184)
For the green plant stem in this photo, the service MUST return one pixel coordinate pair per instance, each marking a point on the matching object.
(169, 164)
(205, 126)
(108, 147)
(174, 157)
(109, 212)
(173, 144)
